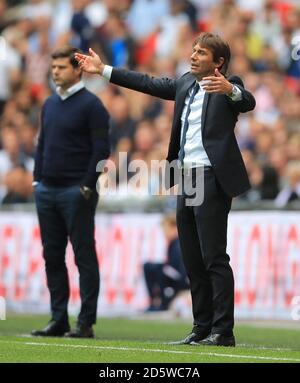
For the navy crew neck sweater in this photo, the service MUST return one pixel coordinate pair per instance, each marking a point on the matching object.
(73, 139)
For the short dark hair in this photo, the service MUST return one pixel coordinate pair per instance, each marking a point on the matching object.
(217, 46)
(67, 51)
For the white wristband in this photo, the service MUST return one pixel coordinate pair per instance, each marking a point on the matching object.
(107, 72)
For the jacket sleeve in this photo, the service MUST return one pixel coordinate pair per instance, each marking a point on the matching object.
(247, 102)
(159, 87)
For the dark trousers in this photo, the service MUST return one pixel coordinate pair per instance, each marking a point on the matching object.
(202, 234)
(63, 213)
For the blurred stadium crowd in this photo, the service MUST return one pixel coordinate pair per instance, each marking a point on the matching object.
(154, 36)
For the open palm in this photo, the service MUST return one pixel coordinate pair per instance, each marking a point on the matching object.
(90, 64)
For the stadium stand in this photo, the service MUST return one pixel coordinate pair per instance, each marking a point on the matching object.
(152, 37)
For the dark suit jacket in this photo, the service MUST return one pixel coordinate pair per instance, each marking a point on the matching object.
(219, 116)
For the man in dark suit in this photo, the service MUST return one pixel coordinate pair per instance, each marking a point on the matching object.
(207, 105)
(73, 139)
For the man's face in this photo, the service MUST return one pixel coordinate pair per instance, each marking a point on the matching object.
(63, 73)
(202, 63)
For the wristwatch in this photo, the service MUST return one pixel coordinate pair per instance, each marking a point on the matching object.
(86, 192)
(234, 92)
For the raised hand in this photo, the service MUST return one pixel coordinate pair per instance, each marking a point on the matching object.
(217, 84)
(90, 64)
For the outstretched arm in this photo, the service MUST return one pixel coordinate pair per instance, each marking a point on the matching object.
(159, 87)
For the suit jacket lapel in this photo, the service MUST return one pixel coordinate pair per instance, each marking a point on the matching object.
(207, 97)
(183, 93)
(176, 128)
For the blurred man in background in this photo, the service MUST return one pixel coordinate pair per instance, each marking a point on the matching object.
(291, 191)
(72, 140)
(165, 280)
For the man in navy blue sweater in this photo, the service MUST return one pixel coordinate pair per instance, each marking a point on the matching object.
(73, 139)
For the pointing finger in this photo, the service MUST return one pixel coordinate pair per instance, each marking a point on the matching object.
(92, 53)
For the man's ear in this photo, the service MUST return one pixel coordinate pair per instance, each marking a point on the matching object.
(220, 63)
(78, 71)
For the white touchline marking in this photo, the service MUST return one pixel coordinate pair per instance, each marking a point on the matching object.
(259, 347)
(253, 346)
(151, 350)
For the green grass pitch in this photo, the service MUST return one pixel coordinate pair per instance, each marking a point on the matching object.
(121, 340)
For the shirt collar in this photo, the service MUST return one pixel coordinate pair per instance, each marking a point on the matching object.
(64, 94)
(201, 85)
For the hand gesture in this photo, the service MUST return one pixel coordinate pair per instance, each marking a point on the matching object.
(217, 84)
(90, 64)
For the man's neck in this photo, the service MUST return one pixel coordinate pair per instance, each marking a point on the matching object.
(65, 92)
(65, 88)
(200, 78)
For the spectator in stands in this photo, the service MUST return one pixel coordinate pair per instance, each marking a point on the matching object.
(144, 17)
(269, 186)
(122, 125)
(73, 139)
(27, 140)
(172, 27)
(10, 68)
(81, 26)
(18, 183)
(260, 33)
(165, 280)
(116, 42)
(12, 157)
(291, 191)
